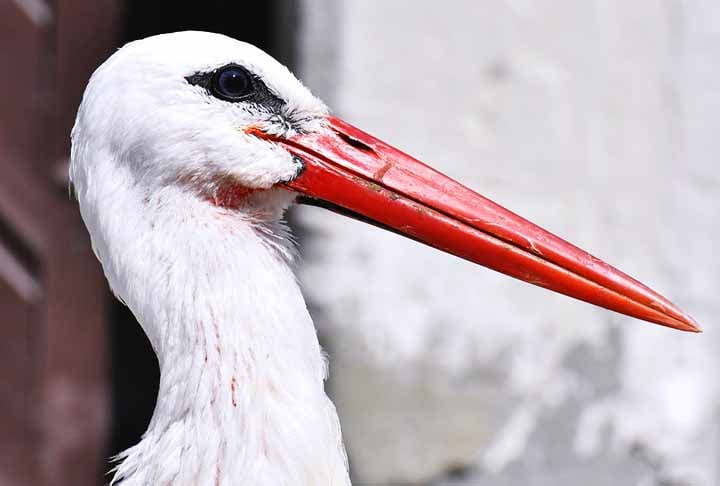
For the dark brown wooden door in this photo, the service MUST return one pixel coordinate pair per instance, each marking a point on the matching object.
(53, 376)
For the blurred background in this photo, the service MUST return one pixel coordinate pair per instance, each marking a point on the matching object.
(598, 120)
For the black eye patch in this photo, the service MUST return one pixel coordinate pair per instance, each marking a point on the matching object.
(234, 83)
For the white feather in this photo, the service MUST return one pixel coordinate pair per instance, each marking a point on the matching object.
(241, 398)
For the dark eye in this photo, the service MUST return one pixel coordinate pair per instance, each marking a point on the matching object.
(232, 83)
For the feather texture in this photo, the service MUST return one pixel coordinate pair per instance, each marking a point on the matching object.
(241, 398)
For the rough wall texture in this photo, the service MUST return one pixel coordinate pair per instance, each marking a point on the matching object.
(596, 119)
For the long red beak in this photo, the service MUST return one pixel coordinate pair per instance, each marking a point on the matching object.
(356, 174)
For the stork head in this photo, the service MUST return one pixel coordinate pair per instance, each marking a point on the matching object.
(224, 123)
(175, 110)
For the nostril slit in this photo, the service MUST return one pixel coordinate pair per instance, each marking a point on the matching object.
(354, 142)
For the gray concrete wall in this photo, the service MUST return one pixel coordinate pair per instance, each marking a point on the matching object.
(598, 120)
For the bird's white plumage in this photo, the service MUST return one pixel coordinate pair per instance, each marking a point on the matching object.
(241, 398)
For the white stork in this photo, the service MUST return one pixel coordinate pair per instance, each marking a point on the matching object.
(187, 149)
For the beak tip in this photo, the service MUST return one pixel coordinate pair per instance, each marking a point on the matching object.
(673, 316)
(689, 324)
(695, 327)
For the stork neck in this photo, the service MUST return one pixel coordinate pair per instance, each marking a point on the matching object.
(241, 399)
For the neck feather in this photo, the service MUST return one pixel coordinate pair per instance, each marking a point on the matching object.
(241, 398)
